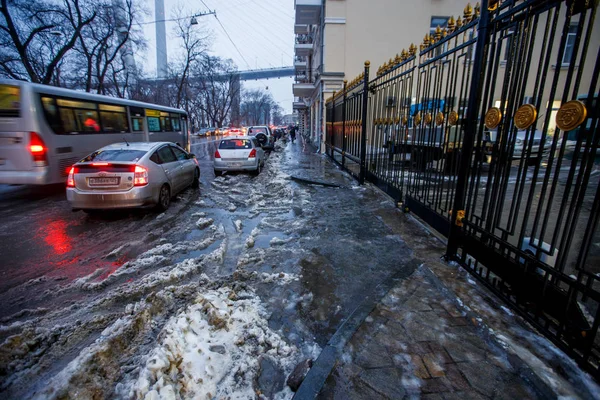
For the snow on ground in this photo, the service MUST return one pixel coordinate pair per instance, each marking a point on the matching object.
(211, 350)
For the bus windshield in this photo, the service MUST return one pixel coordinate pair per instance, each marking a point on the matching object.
(10, 101)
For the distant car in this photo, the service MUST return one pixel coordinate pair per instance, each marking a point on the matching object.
(137, 174)
(522, 143)
(263, 135)
(235, 132)
(203, 132)
(239, 153)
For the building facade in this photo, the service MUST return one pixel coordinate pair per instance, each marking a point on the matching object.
(335, 37)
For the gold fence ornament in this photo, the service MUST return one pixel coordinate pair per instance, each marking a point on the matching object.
(451, 24)
(477, 10)
(412, 50)
(428, 119)
(493, 5)
(525, 116)
(571, 115)
(438, 33)
(453, 118)
(404, 121)
(493, 116)
(468, 12)
(418, 119)
(439, 118)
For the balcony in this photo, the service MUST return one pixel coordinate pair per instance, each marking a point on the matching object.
(300, 64)
(300, 29)
(304, 45)
(299, 105)
(303, 89)
(308, 12)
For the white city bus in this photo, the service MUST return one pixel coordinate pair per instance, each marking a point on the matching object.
(45, 129)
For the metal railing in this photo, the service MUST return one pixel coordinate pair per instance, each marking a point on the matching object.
(499, 153)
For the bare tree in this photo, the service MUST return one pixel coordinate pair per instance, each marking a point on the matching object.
(194, 41)
(103, 43)
(216, 89)
(257, 106)
(36, 35)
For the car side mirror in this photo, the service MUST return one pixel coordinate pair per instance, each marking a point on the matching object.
(191, 155)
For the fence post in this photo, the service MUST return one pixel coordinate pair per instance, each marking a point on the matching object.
(344, 126)
(469, 128)
(363, 138)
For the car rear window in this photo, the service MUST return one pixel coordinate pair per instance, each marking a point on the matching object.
(256, 131)
(115, 155)
(235, 144)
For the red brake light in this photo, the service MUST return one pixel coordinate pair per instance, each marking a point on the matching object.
(252, 154)
(99, 163)
(140, 176)
(71, 178)
(217, 155)
(38, 150)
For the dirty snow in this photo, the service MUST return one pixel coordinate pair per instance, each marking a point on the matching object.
(211, 350)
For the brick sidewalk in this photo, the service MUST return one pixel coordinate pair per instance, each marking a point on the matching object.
(416, 342)
(436, 334)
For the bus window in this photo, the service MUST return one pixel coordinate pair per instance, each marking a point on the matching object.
(10, 101)
(113, 122)
(88, 120)
(138, 124)
(51, 114)
(175, 122)
(165, 124)
(69, 122)
(153, 124)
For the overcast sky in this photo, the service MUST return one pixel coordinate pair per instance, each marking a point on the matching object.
(262, 31)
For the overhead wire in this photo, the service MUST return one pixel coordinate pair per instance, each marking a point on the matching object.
(232, 42)
(265, 37)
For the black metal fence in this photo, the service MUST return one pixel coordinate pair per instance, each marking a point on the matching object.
(489, 133)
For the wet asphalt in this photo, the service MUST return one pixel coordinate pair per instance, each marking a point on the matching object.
(58, 264)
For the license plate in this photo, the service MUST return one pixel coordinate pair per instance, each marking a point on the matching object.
(103, 181)
(235, 164)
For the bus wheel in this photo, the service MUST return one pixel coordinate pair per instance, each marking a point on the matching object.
(196, 181)
(164, 198)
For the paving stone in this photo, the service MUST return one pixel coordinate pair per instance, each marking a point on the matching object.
(465, 395)
(351, 370)
(432, 396)
(440, 353)
(417, 304)
(419, 331)
(461, 350)
(459, 321)
(420, 348)
(483, 377)
(374, 355)
(434, 365)
(420, 369)
(385, 381)
(456, 378)
(436, 385)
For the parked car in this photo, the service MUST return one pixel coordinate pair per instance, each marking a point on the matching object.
(263, 135)
(522, 143)
(235, 132)
(239, 153)
(138, 174)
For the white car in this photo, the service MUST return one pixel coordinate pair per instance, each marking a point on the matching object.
(523, 140)
(239, 153)
(138, 174)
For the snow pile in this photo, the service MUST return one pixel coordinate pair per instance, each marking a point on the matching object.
(279, 242)
(204, 222)
(252, 238)
(281, 278)
(238, 225)
(212, 350)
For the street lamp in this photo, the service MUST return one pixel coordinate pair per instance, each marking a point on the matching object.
(194, 21)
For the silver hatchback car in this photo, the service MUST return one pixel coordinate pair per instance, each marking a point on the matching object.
(137, 174)
(239, 153)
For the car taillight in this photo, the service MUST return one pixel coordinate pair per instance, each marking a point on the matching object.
(252, 154)
(140, 176)
(217, 155)
(71, 178)
(38, 150)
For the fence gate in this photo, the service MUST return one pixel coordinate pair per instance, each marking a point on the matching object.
(489, 133)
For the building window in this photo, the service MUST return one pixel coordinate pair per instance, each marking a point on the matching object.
(569, 46)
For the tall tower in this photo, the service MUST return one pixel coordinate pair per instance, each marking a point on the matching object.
(161, 39)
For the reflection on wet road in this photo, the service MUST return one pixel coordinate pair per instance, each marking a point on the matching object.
(43, 241)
